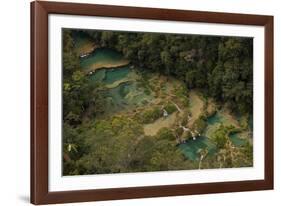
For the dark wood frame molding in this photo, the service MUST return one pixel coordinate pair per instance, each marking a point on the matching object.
(39, 102)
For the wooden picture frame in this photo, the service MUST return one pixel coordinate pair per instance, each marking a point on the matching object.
(39, 102)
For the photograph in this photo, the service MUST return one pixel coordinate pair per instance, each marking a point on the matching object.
(150, 102)
(131, 102)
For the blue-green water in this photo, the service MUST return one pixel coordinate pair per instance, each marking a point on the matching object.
(218, 119)
(116, 96)
(101, 56)
(237, 140)
(123, 91)
(214, 119)
(191, 147)
(116, 100)
(109, 76)
(113, 75)
(99, 76)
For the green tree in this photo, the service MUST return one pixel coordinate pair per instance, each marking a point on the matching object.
(220, 137)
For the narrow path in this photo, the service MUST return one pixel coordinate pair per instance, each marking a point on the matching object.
(196, 107)
(178, 108)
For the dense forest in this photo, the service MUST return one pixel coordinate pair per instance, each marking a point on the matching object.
(220, 68)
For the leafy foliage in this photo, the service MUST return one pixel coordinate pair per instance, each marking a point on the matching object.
(221, 67)
(150, 115)
(170, 108)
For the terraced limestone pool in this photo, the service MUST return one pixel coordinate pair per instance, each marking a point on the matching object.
(220, 117)
(103, 58)
(123, 91)
(191, 147)
(237, 140)
(109, 76)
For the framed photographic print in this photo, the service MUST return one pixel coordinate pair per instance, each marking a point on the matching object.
(131, 102)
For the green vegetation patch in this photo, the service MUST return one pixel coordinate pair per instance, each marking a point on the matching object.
(150, 115)
(170, 108)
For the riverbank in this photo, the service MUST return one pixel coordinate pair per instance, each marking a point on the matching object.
(107, 65)
(196, 105)
(84, 45)
(103, 58)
